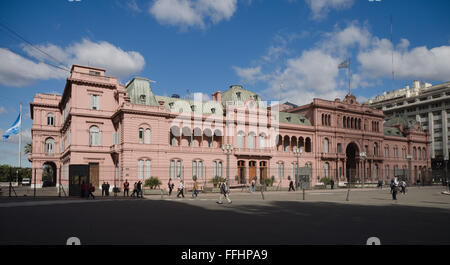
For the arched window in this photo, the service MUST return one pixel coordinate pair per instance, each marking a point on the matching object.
(147, 136)
(141, 169)
(251, 140)
(424, 154)
(94, 136)
(414, 153)
(49, 146)
(240, 139)
(217, 169)
(326, 168)
(329, 120)
(50, 119)
(325, 145)
(344, 122)
(261, 141)
(141, 135)
(375, 149)
(286, 143)
(308, 145)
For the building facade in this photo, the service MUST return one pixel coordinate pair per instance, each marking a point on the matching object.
(427, 104)
(126, 132)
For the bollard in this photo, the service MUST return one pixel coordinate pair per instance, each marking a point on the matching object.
(303, 194)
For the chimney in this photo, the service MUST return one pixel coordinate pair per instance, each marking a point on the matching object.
(217, 96)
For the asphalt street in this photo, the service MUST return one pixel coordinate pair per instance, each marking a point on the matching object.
(325, 217)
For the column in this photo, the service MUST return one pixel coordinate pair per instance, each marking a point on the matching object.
(444, 134)
(431, 131)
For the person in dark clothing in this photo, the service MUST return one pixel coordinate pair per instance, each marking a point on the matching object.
(139, 189)
(91, 191)
(103, 189)
(171, 185)
(332, 183)
(107, 188)
(291, 185)
(394, 188)
(83, 189)
(134, 190)
(126, 187)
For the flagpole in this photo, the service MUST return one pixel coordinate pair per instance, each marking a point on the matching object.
(348, 71)
(20, 136)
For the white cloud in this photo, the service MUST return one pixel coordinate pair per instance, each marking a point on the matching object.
(417, 63)
(312, 75)
(3, 110)
(19, 71)
(250, 74)
(192, 13)
(16, 70)
(320, 8)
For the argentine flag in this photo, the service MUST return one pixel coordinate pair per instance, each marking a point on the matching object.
(15, 128)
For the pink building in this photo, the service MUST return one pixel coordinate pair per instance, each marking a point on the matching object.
(127, 132)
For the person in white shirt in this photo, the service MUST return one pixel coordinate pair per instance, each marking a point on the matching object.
(180, 189)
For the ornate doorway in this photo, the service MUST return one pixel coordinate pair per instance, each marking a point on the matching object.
(262, 171)
(251, 171)
(352, 152)
(241, 171)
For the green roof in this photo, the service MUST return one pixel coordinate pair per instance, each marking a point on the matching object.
(404, 121)
(188, 106)
(392, 131)
(140, 92)
(293, 118)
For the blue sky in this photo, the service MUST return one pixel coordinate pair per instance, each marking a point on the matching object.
(286, 49)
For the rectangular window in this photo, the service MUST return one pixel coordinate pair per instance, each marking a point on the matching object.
(68, 138)
(140, 169)
(172, 169)
(200, 170)
(194, 168)
(179, 169)
(215, 169)
(220, 169)
(147, 169)
(95, 102)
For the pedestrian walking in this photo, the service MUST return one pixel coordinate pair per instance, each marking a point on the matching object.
(394, 188)
(332, 183)
(83, 189)
(291, 185)
(171, 185)
(134, 190)
(139, 189)
(126, 187)
(195, 192)
(253, 185)
(403, 187)
(380, 184)
(91, 191)
(180, 189)
(224, 193)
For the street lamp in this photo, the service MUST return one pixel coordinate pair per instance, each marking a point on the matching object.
(298, 152)
(408, 176)
(363, 156)
(228, 149)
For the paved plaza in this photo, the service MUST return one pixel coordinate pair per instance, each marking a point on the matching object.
(324, 217)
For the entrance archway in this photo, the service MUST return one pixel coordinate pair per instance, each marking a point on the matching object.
(241, 171)
(251, 171)
(352, 152)
(262, 171)
(49, 174)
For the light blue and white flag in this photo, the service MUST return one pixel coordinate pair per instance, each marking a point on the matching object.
(15, 128)
(344, 64)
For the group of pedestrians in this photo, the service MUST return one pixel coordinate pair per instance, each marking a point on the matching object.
(396, 185)
(137, 189)
(105, 189)
(181, 187)
(87, 189)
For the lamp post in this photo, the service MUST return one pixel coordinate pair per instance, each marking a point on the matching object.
(228, 149)
(363, 156)
(298, 152)
(408, 176)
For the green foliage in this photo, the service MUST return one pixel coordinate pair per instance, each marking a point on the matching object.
(326, 181)
(6, 171)
(152, 182)
(268, 182)
(28, 148)
(215, 181)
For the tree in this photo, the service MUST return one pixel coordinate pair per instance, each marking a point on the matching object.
(28, 148)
